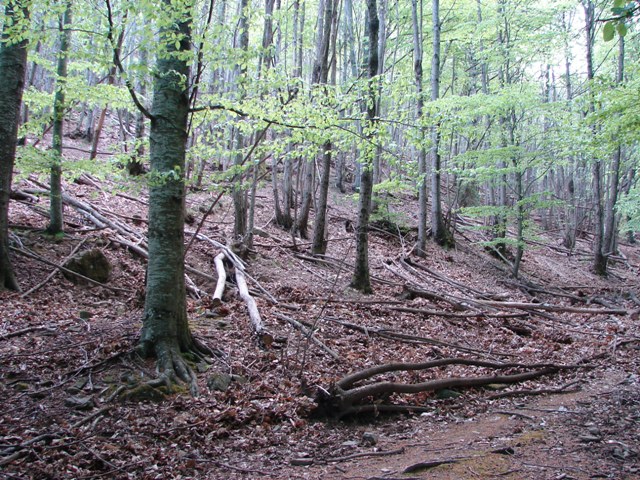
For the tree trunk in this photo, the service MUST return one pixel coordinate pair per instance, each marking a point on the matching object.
(320, 77)
(438, 230)
(361, 278)
(422, 154)
(610, 229)
(13, 65)
(55, 199)
(165, 330)
(600, 259)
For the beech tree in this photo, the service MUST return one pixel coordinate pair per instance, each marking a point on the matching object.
(165, 331)
(59, 109)
(13, 62)
(361, 277)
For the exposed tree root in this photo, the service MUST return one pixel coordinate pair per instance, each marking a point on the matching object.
(349, 397)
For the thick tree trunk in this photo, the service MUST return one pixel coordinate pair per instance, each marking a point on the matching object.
(13, 64)
(55, 199)
(165, 330)
(361, 278)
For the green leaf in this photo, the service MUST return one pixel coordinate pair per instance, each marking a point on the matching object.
(609, 31)
(619, 3)
(622, 29)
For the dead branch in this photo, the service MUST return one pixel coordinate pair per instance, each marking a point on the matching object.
(410, 293)
(366, 454)
(309, 333)
(22, 331)
(432, 464)
(552, 308)
(264, 337)
(237, 262)
(444, 278)
(346, 398)
(543, 391)
(222, 278)
(445, 314)
(403, 337)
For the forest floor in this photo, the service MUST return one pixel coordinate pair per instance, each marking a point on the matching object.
(66, 351)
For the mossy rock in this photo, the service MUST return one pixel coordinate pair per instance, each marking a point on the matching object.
(144, 393)
(92, 264)
(219, 382)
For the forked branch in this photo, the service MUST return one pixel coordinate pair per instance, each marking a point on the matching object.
(350, 395)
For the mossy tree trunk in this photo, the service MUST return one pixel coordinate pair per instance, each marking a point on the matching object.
(166, 331)
(13, 62)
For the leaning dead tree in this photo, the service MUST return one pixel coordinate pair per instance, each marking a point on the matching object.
(356, 394)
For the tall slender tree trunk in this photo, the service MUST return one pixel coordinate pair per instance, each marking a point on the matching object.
(55, 199)
(416, 14)
(239, 193)
(610, 229)
(165, 331)
(600, 259)
(321, 74)
(438, 230)
(361, 277)
(135, 165)
(13, 65)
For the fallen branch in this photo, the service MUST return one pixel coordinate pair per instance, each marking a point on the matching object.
(22, 331)
(432, 464)
(404, 337)
(442, 313)
(366, 454)
(552, 308)
(543, 391)
(222, 278)
(309, 333)
(265, 339)
(346, 398)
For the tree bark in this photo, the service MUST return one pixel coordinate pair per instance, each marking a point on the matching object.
(321, 75)
(13, 65)
(438, 230)
(610, 229)
(361, 277)
(55, 199)
(239, 193)
(165, 331)
(600, 259)
(422, 154)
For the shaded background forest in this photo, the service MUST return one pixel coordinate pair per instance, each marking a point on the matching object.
(505, 111)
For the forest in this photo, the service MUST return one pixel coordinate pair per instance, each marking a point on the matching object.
(319, 239)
